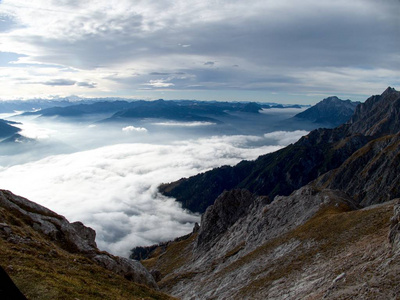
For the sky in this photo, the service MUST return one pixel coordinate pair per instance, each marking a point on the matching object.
(260, 50)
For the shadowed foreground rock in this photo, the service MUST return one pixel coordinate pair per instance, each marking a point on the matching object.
(8, 290)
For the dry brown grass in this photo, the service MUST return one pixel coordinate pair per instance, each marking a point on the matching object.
(43, 270)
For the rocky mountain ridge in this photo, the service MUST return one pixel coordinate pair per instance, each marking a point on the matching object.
(288, 169)
(336, 237)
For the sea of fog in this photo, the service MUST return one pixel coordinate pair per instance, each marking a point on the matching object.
(106, 175)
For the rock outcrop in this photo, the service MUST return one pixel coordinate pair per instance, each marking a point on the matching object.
(8, 289)
(72, 237)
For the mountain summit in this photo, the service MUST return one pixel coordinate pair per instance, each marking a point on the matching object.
(331, 111)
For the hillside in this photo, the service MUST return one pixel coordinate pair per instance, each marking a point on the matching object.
(49, 258)
(282, 172)
(337, 237)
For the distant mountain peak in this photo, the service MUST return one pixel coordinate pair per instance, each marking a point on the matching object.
(389, 90)
(331, 111)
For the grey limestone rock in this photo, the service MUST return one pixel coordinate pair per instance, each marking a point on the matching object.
(130, 269)
(394, 233)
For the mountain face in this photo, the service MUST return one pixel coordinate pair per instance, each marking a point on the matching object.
(336, 237)
(378, 116)
(313, 244)
(288, 169)
(331, 111)
(50, 258)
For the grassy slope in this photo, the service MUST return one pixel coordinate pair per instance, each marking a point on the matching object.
(42, 270)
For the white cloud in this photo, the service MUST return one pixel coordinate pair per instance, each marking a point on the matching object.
(183, 124)
(91, 43)
(114, 188)
(34, 131)
(134, 129)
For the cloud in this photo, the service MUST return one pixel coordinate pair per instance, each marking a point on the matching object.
(59, 82)
(114, 188)
(133, 128)
(183, 124)
(160, 83)
(34, 131)
(267, 39)
(159, 73)
(90, 85)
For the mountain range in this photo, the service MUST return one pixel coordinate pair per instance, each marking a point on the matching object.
(334, 235)
(122, 110)
(283, 171)
(318, 219)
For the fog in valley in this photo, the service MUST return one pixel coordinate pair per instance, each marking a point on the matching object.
(106, 174)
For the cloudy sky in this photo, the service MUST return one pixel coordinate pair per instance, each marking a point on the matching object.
(262, 50)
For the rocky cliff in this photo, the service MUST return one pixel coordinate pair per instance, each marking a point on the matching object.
(47, 255)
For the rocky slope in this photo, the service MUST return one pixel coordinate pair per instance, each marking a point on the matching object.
(313, 244)
(371, 174)
(50, 258)
(331, 111)
(284, 171)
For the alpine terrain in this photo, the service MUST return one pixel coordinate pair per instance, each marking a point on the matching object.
(319, 219)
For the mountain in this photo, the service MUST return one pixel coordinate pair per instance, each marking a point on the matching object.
(102, 107)
(189, 110)
(282, 172)
(13, 106)
(48, 257)
(313, 244)
(331, 112)
(6, 129)
(252, 107)
(162, 109)
(335, 237)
